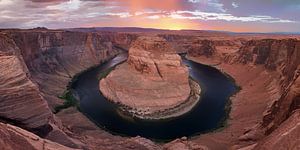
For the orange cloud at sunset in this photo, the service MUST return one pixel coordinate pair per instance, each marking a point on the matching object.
(140, 5)
(228, 15)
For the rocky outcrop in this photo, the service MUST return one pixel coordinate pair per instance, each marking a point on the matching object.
(184, 144)
(160, 79)
(286, 136)
(154, 58)
(13, 138)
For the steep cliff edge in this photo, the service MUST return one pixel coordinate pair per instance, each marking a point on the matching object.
(54, 57)
(280, 57)
(21, 101)
(270, 69)
(36, 67)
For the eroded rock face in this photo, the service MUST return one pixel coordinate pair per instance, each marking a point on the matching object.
(36, 67)
(286, 136)
(279, 59)
(21, 101)
(54, 57)
(184, 144)
(205, 48)
(153, 79)
(155, 58)
(13, 138)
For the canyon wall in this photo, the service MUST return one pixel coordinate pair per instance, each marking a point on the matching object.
(54, 57)
(37, 65)
(21, 101)
(282, 57)
(279, 60)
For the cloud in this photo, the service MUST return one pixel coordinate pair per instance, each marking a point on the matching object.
(5, 2)
(194, 1)
(153, 17)
(121, 14)
(234, 5)
(198, 15)
(68, 5)
(78, 13)
(209, 5)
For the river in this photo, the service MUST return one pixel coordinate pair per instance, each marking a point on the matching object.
(209, 114)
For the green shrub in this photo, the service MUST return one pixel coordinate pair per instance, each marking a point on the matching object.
(69, 101)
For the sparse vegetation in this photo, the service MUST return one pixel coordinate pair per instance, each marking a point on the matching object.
(69, 101)
(105, 73)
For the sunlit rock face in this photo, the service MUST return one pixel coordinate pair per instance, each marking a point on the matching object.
(153, 78)
(155, 59)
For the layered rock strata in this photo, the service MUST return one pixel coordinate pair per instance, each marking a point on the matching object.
(269, 68)
(20, 99)
(151, 82)
(13, 138)
(36, 66)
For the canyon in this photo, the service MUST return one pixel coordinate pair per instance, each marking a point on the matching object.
(36, 65)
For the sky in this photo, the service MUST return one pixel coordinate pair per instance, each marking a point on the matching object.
(224, 15)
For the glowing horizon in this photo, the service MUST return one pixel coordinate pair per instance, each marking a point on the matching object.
(223, 15)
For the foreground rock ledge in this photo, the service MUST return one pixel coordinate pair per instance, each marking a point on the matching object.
(153, 83)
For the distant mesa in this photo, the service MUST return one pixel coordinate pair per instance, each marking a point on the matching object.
(153, 83)
(40, 28)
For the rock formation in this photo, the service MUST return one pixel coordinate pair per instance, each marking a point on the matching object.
(21, 101)
(152, 80)
(36, 66)
(281, 57)
(275, 63)
(13, 138)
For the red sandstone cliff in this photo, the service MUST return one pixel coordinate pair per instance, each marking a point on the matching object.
(35, 68)
(280, 61)
(21, 100)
